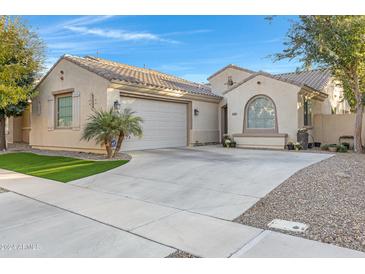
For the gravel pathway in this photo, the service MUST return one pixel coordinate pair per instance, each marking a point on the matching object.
(328, 196)
(181, 254)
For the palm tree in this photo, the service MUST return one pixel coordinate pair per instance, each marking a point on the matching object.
(102, 127)
(128, 124)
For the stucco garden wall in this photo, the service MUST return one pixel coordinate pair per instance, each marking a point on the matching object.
(328, 128)
(284, 95)
(205, 124)
(82, 81)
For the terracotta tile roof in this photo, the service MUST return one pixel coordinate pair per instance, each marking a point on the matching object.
(316, 79)
(114, 71)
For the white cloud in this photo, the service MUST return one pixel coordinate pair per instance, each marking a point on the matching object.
(87, 20)
(58, 29)
(119, 34)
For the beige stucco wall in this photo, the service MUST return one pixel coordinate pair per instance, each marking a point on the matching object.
(112, 96)
(261, 142)
(18, 128)
(83, 82)
(205, 125)
(328, 128)
(26, 124)
(13, 130)
(218, 82)
(284, 95)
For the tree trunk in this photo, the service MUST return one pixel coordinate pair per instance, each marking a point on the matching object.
(2, 132)
(119, 144)
(358, 116)
(108, 147)
(358, 128)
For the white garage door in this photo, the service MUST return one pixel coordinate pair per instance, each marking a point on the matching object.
(164, 124)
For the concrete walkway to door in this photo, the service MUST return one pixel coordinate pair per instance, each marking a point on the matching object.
(71, 220)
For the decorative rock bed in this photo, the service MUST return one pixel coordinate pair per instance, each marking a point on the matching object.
(329, 196)
(181, 254)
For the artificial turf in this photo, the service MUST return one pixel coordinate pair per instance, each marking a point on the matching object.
(58, 168)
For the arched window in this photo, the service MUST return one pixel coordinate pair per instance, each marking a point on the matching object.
(260, 115)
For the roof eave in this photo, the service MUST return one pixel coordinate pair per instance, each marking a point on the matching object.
(118, 84)
(316, 94)
(48, 72)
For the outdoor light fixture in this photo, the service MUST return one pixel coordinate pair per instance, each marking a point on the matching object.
(116, 105)
(196, 112)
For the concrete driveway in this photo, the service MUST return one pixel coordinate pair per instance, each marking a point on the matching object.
(209, 180)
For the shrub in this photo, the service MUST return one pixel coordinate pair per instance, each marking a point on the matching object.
(298, 146)
(324, 147)
(342, 148)
(227, 142)
(347, 145)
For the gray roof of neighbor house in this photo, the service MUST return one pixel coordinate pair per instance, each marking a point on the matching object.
(316, 79)
(114, 71)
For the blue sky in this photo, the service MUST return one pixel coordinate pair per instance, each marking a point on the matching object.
(192, 47)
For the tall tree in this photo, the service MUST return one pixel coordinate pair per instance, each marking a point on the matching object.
(21, 59)
(337, 42)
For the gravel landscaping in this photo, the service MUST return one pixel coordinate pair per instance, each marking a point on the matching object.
(181, 254)
(328, 196)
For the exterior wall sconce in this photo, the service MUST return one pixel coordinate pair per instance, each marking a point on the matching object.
(196, 112)
(116, 105)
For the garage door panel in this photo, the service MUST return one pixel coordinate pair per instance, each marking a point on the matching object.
(164, 124)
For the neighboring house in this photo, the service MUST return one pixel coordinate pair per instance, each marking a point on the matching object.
(265, 110)
(256, 108)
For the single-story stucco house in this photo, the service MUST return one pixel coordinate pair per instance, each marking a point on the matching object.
(257, 109)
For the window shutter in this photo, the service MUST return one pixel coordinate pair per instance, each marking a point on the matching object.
(51, 118)
(76, 110)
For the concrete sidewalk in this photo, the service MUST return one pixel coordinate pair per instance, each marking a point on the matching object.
(76, 216)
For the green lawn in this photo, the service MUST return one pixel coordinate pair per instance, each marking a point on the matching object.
(62, 169)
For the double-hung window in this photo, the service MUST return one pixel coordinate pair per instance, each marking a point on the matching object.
(64, 111)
